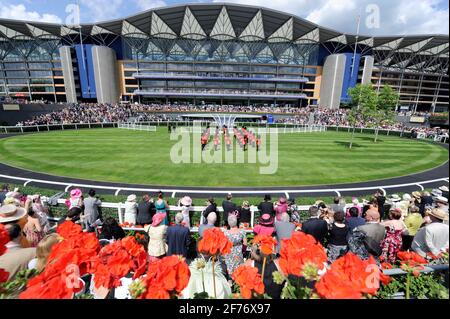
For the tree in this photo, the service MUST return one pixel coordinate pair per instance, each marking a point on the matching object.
(364, 104)
(370, 108)
(386, 102)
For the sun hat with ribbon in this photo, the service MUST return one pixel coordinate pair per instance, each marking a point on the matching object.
(441, 199)
(76, 193)
(395, 198)
(186, 201)
(158, 218)
(416, 194)
(10, 213)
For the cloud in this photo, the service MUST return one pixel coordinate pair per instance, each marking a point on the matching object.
(399, 17)
(100, 10)
(149, 4)
(19, 12)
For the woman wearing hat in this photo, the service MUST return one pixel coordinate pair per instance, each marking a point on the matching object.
(280, 207)
(131, 209)
(76, 199)
(162, 208)
(265, 226)
(185, 204)
(33, 229)
(245, 214)
(157, 246)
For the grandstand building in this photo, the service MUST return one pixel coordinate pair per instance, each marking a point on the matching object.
(216, 53)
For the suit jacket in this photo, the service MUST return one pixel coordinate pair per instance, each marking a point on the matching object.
(266, 208)
(228, 207)
(284, 230)
(146, 210)
(375, 233)
(16, 259)
(318, 228)
(178, 240)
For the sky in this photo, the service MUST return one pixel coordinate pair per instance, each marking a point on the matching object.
(378, 17)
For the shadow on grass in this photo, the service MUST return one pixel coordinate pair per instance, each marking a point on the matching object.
(368, 138)
(346, 144)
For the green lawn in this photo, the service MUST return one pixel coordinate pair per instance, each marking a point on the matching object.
(144, 158)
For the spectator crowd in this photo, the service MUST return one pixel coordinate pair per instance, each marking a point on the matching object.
(106, 113)
(379, 228)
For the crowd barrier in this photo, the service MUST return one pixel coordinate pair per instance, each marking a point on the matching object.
(288, 128)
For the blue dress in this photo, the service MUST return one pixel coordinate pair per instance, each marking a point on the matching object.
(161, 209)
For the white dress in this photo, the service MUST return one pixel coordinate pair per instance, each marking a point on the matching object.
(195, 285)
(130, 212)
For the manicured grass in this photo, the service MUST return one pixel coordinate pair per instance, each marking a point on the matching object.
(144, 158)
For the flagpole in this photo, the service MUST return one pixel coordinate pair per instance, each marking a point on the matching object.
(358, 19)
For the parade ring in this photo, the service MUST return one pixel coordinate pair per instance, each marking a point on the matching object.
(430, 178)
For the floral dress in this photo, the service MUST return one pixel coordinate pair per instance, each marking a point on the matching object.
(235, 258)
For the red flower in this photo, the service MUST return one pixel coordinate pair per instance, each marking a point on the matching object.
(118, 259)
(411, 258)
(166, 277)
(266, 243)
(4, 239)
(386, 265)
(214, 242)
(349, 277)
(69, 230)
(249, 280)
(4, 275)
(301, 250)
(69, 259)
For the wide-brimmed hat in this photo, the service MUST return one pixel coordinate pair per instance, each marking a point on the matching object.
(395, 198)
(158, 218)
(266, 220)
(436, 192)
(76, 193)
(282, 200)
(186, 201)
(131, 198)
(438, 213)
(444, 188)
(441, 199)
(10, 213)
(406, 197)
(416, 194)
(245, 204)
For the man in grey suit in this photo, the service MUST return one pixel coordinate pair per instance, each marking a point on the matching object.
(432, 238)
(91, 210)
(284, 230)
(374, 232)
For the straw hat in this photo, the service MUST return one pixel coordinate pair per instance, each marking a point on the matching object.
(444, 188)
(395, 198)
(416, 194)
(245, 204)
(10, 213)
(441, 199)
(438, 213)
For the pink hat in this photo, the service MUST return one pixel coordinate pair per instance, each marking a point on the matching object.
(76, 193)
(158, 218)
(282, 200)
